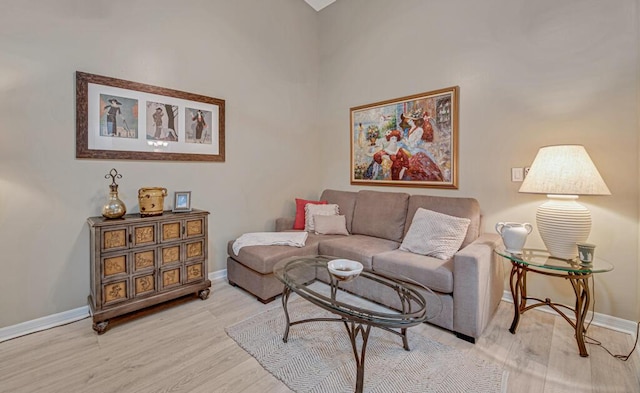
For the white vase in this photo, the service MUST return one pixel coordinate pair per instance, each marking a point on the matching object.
(514, 235)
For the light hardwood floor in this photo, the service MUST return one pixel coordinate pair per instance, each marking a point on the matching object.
(183, 347)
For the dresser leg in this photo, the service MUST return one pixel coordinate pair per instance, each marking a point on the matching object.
(204, 294)
(100, 327)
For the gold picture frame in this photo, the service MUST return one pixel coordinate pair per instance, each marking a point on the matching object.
(410, 141)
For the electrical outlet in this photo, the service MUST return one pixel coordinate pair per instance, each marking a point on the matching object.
(517, 174)
(526, 170)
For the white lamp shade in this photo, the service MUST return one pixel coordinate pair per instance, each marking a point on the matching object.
(563, 173)
(564, 170)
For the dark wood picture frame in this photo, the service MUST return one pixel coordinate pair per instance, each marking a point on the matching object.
(185, 151)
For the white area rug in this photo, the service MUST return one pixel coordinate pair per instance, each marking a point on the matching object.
(318, 357)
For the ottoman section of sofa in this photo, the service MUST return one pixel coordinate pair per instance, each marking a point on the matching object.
(252, 268)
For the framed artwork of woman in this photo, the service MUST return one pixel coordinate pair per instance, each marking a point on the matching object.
(409, 141)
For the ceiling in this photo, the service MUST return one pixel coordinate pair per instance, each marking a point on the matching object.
(319, 4)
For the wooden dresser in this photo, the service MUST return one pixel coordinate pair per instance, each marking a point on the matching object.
(137, 262)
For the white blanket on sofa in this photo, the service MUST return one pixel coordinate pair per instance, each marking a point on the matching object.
(295, 239)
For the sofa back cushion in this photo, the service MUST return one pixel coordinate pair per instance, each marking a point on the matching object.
(380, 214)
(346, 201)
(458, 207)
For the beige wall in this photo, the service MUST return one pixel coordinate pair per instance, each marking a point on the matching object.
(261, 57)
(637, 6)
(531, 73)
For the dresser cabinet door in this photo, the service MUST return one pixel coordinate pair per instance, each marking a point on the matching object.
(170, 254)
(170, 277)
(194, 272)
(170, 231)
(144, 259)
(144, 235)
(144, 284)
(114, 239)
(194, 228)
(113, 266)
(194, 250)
(115, 292)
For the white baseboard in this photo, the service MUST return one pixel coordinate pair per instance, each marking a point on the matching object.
(44, 323)
(63, 318)
(602, 320)
(50, 321)
(218, 275)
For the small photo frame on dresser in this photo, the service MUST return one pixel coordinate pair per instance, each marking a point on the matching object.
(182, 201)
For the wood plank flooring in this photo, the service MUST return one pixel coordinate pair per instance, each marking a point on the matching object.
(182, 347)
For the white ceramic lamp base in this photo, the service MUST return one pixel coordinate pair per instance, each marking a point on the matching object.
(563, 222)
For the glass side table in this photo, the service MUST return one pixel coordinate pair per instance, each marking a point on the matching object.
(540, 261)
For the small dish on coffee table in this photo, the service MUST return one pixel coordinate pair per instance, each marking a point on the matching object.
(344, 269)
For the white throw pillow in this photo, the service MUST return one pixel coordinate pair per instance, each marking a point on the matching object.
(311, 210)
(435, 234)
(330, 225)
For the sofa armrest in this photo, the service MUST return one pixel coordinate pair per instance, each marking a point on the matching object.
(478, 285)
(284, 223)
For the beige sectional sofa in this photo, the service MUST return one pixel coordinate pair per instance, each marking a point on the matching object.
(470, 284)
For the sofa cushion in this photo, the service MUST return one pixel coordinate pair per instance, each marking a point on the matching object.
(356, 247)
(435, 274)
(330, 225)
(300, 211)
(346, 201)
(435, 234)
(312, 210)
(458, 207)
(380, 214)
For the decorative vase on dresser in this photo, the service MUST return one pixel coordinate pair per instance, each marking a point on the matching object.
(137, 262)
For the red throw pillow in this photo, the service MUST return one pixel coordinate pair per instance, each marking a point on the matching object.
(300, 203)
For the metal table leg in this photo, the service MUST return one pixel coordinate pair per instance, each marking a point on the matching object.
(518, 284)
(583, 298)
(354, 329)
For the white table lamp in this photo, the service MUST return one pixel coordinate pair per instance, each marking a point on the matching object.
(563, 173)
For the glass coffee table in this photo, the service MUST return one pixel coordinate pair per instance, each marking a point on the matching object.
(541, 262)
(410, 302)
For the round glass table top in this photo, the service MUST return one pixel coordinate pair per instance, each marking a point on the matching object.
(542, 259)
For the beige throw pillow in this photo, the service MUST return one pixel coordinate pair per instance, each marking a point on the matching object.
(330, 225)
(435, 234)
(311, 210)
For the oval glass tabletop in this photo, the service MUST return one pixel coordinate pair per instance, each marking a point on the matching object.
(542, 259)
(412, 303)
